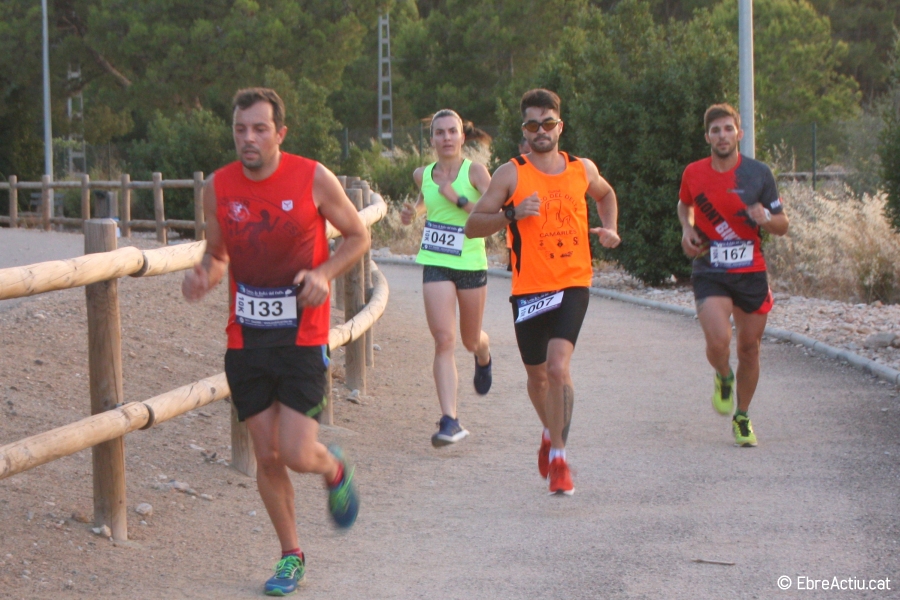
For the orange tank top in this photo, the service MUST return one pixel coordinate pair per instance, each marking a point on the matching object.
(552, 251)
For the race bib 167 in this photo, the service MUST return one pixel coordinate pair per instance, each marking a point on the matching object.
(731, 255)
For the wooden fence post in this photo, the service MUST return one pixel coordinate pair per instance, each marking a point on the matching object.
(199, 217)
(86, 197)
(105, 366)
(159, 210)
(242, 457)
(46, 201)
(13, 202)
(327, 417)
(354, 301)
(125, 206)
(367, 274)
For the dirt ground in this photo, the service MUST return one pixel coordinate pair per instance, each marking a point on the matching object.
(658, 483)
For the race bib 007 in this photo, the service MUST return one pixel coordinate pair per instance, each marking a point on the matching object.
(443, 238)
(731, 255)
(532, 306)
(265, 308)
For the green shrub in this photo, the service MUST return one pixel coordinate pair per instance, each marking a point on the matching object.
(633, 97)
(889, 152)
(391, 175)
(176, 147)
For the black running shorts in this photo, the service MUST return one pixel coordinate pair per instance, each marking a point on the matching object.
(292, 375)
(748, 291)
(463, 280)
(534, 335)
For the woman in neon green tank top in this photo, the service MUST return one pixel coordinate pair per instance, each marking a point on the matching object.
(455, 267)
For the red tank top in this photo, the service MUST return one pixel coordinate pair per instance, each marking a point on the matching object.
(272, 229)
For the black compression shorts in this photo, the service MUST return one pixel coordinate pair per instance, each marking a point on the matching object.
(463, 280)
(534, 335)
(292, 375)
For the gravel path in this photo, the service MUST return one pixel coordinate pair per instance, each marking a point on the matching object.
(658, 483)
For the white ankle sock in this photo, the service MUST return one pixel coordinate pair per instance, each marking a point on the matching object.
(546, 433)
(557, 452)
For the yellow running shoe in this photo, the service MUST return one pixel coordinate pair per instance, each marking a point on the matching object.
(743, 431)
(723, 394)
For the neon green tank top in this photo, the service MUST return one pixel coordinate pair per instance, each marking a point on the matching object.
(443, 242)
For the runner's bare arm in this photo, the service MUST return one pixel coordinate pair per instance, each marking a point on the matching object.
(607, 205)
(487, 216)
(411, 211)
(336, 207)
(690, 241)
(211, 268)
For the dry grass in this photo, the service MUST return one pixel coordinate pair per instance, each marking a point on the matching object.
(839, 247)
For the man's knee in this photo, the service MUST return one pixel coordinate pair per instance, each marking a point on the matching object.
(268, 458)
(557, 371)
(748, 350)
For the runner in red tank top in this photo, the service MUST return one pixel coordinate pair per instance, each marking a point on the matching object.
(541, 198)
(266, 216)
(726, 200)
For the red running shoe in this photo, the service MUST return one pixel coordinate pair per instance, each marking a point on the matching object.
(560, 478)
(544, 457)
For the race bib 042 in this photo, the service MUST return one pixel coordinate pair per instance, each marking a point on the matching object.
(532, 306)
(731, 255)
(265, 308)
(443, 238)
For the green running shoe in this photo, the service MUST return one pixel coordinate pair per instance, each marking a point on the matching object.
(343, 500)
(289, 572)
(743, 432)
(723, 394)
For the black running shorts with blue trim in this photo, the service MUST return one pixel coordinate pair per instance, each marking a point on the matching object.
(533, 336)
(463, 280)
(292, 375)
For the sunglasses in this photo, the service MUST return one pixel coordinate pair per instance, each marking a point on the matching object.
(547, 124)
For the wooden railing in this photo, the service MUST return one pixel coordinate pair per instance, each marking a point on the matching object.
(45, 218)
(111, 417)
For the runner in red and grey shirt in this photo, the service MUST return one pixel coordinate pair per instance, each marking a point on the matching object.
(725, 202)
(721, 201)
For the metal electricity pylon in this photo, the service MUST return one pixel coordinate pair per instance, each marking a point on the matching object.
(385, 103)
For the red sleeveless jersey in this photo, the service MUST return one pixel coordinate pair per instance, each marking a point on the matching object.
(272, 229)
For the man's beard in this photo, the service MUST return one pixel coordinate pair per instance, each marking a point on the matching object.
(541, 146)
(727, 154)
(252, 165)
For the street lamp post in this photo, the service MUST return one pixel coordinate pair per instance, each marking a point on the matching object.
(745, 62)
(48, 129)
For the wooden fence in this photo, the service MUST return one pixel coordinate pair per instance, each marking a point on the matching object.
(365, 295)
(45, 218)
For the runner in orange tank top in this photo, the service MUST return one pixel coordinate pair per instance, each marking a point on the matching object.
(541, 198)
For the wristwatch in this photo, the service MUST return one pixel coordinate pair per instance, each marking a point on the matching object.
(461, 201)
(509, 211)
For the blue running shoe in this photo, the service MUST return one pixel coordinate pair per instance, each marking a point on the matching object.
(289, 572)
(483, 377)
(449, 432)
(343, 499)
